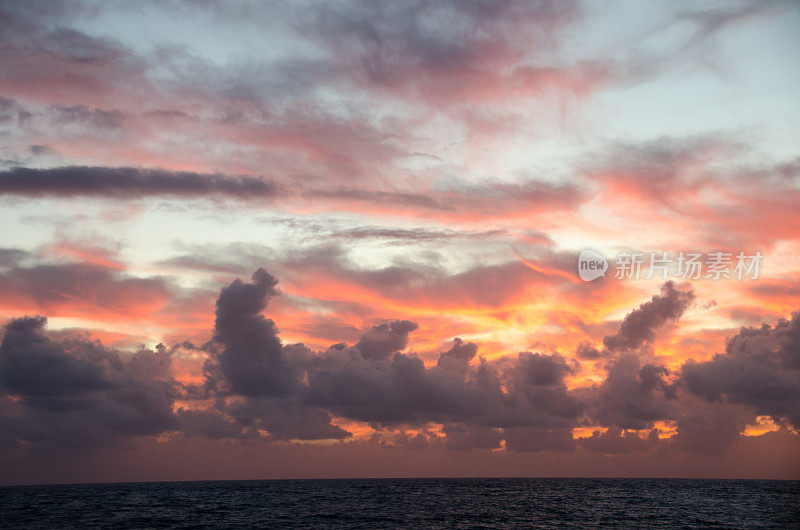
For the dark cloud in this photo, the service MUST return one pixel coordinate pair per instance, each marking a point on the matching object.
(638, 329)
(533, 439)
(34, 366)
(708, 427)
(246, 351)
(10, 257)
(460, 437)
(381, 342)
(639, 326)
(133, 182)
(41, 150)
(129, 182)
(760, 368)
(458, 357)
(392, 392)
(403, 391)
(73, 392)
(11, 111)
(285, 419)
(79, 394)
(588, 352)
(632, 395)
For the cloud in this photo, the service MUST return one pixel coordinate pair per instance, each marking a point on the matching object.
(417, 235)
(80, 289)
(457, 358)
(33, 366)
(449, 52)
(133, 182)
(632, 395)
(381, 342)
(760, 368)
(129, 182)
(246, 351)
(671, 177)
(94, 118)
(637, 331)
(257, 387)
(77, 394)
(373, 381)
(460, 437)
(638, 328)
(616, 440)
(284, 419)
(10, 257)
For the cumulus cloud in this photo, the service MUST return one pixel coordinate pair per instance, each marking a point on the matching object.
(760, 368)
(458, 357)
(257, 387)
(639, 327)
(246, 352)
(632, 395)
(77, 393)
(380, 342)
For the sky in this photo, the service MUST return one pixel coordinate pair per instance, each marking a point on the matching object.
(355, 239)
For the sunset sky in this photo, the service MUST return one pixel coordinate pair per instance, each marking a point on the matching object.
(335, 239)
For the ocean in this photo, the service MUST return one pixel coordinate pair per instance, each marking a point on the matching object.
(408, 503)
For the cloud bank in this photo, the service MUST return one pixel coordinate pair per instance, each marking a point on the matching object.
(75, 393)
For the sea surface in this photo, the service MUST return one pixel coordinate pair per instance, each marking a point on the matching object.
(419, 503)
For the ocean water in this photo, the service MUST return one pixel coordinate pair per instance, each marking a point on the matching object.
(419, 503)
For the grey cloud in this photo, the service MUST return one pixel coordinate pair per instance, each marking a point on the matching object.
(32, 365)
(79, 394)
(246, 351)
(458, 357)
(380, 342)
(41, 150)
(425, 49)
(129, 182)
(210, 423)
(639, 326)
(461, 437)
(588, 352)
(285, 419)
(632, 395)
(10, 257)
(397, 391)
(11, 111)
(412, 234)
(50, 285)
(420, 200)
(616, 441)
(709, 427)
(760, 368)
(95, 118)
(638, 329)
(533, 439)
(257, 387)
(402, 391)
